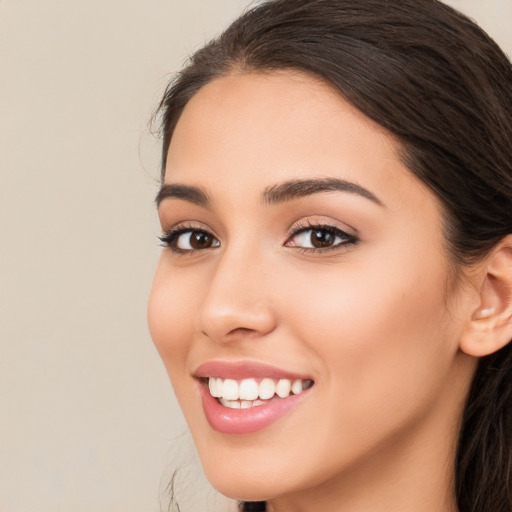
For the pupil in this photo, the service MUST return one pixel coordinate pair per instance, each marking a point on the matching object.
(321, 238)
(200, 240)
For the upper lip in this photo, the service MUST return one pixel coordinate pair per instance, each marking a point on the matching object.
(239, 370)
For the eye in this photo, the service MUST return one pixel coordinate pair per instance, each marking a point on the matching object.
(183, 240)
(320, 238)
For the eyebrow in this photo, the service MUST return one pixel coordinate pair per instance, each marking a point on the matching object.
(188, 193)
(294, 189)
(274, 194)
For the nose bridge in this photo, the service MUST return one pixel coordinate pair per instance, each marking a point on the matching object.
(238, 299)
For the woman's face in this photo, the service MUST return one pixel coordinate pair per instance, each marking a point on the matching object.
(300, 249)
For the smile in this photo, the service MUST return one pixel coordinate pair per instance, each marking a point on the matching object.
(249, 393)
(249, 396)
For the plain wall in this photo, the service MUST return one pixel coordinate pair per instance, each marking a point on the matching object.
(88, 421)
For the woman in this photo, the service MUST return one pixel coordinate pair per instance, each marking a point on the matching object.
(333, 304)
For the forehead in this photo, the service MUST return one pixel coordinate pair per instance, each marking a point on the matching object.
(249, 131)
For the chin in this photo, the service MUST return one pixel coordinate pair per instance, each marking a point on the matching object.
(247, 480)
(245, 489)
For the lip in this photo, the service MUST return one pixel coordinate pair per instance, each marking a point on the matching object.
(239, 370)
(245, 421)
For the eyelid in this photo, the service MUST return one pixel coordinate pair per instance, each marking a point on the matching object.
(170, 235)
(305, 225)
(319, 223)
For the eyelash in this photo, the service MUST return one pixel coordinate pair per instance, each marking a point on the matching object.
(171, 237)
(347, 239)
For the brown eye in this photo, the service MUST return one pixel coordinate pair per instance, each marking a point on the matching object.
(198, 240)
(189, 240)
(320, 238)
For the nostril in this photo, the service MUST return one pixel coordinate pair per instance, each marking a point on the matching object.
(241, 330)
(227, 319)
(237, 332)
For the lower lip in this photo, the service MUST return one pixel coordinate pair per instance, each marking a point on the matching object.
(246, 421)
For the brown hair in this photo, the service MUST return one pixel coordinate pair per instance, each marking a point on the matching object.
(436, 81)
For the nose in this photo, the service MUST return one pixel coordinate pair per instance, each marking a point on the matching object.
(237, 303)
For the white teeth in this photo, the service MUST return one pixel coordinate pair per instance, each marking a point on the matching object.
(230, 389)
(249, 389)
(267, 389)
(247, 392)
(297, 387)
(232, 404)
(215, 386)
(283, 388)
(240, 404)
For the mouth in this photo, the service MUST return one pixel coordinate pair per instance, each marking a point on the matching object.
(247, 393)
(244, 398)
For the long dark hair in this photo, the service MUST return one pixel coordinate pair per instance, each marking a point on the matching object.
(436, 81)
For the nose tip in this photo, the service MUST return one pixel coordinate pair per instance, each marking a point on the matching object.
(236, 304)
(232, 320)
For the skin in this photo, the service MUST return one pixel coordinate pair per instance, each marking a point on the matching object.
(375, 324)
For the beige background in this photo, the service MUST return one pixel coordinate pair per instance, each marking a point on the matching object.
(88, 421)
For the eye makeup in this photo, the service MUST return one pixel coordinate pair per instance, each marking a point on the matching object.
(307, 236)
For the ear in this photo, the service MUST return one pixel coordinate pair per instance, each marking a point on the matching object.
(490, 325)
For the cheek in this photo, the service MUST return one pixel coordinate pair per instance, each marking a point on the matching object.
(171, 311)
(171, 316)
(380, 348)
(380, 339)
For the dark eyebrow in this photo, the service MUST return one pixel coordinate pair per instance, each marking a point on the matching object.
(187, 192)
(300, 188)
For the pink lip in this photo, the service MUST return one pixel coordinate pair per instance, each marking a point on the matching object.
(244, 421)
(243, 370)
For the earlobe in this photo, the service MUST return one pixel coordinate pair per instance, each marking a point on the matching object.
(490, 326)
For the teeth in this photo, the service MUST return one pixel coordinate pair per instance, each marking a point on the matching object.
(240, 404)
(249, 389)
(215, 386)
(267, 389)
(296, 386)
(248, 393)
(283, 388)
(230, 389)
(232, 404)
